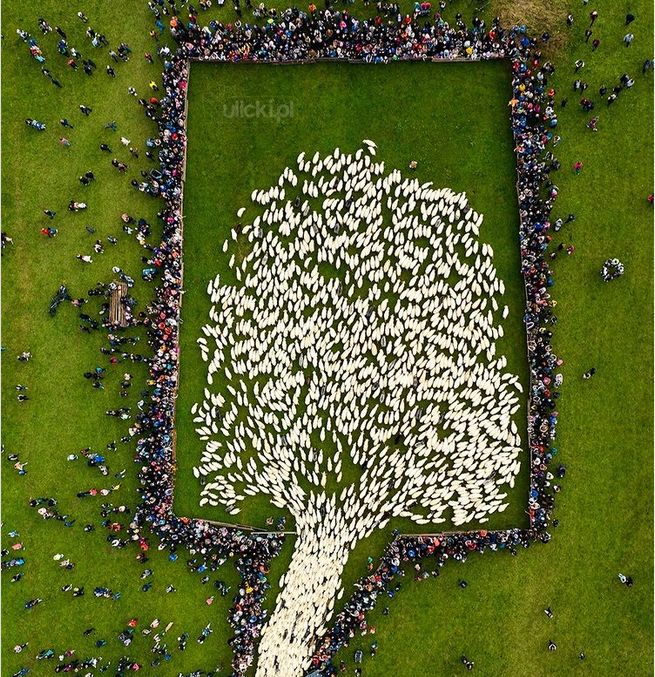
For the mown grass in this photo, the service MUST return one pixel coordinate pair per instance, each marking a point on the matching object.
(229, 157)
(605, 431)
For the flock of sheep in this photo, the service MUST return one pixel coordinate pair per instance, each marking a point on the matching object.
(353, 374)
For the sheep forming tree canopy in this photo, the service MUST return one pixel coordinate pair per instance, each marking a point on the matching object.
(353, 374)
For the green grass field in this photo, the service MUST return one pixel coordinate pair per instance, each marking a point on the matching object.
(454, 122)
(230, 156)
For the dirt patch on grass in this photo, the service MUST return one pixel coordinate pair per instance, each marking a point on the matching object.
(538, 16)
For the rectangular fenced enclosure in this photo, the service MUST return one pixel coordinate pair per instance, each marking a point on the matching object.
(246, 123)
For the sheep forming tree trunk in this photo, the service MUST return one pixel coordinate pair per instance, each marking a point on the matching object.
(304, 605)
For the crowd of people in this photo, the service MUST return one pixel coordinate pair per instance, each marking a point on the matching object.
(296, 35)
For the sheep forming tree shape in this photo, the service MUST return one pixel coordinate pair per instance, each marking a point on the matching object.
(359, 379)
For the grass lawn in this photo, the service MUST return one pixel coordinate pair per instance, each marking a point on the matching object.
(453, 121)
(228, 157)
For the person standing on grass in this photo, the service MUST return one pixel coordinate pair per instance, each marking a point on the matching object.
(593, 16)
(626, 580)
(628, 39)
(467, 663)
